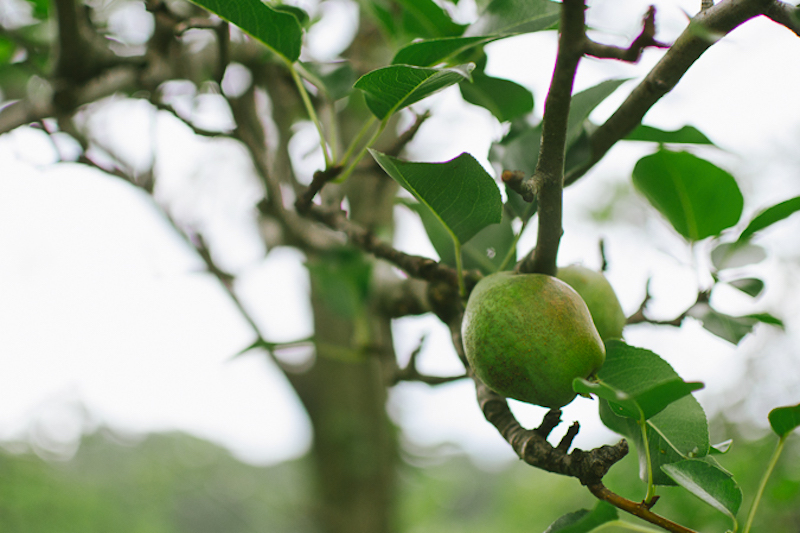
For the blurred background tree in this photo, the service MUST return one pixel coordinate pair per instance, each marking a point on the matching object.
(110, 84)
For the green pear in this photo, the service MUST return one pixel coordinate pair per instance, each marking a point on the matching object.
(528, 336)
(600, 298)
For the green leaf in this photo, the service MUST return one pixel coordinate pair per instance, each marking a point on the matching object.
(424, 18)
(770, 216)
(708, 482)
(784, 420)
(675, 433)
(638, 382)
(391, 88)
(721, 448)
(432, 52)
(583, 521)
(584, 102)
(300, 14)
(41, 8)
(505, 99)
(334, 79)
(766, 318)
(750, 286)
(507, 17)
(7, 48)
(280, 31)
(731, 328)
(519, 150)
(734, 255)
(697, 197)
(685, 135)
(461, 194)
(485, 251)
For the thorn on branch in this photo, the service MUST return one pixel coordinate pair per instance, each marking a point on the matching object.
(549, 423)
(646, 39)
(566, 440)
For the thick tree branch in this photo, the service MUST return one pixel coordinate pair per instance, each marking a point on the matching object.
(785, 14)
(549, 174)
(690, 45)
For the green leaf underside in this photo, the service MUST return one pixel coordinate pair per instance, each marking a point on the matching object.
(698, 198)
(515, 16)
(784, 420)
(708, 482)
(584, 102)
(392, 88)
(432, 52)
(675, 433)
(685, 135)
(485, 251)
(735, 255)
(461, 194)
(770, 216)
(721, 448)
(731, 328)
(583, 521)
(750, 286)
(424, 18)
(505, 99)
(280, 31)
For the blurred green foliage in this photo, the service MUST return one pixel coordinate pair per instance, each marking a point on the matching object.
(174, 483)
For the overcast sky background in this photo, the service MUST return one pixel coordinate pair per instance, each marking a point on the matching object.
(106, 315)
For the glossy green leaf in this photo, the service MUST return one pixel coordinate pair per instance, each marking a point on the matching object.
(735, 255)
(425, 18)
(697, 197)
(637, 382)
(583, 521)
(462, 195)
(334, 79)
(280, 31)
(392, 88)
(770, 216)
(784, 420)
(685, 135)
(432, 52)
(750, 286)
(708, 482)
(504, 17)
(584, 102)
(505, 99)
(677, 432)
(300, 14)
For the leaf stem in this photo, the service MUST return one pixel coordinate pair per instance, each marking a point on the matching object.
(651, 488)
(767, 473)
(512, 252)
(312, 114)
(349, 169)
(462, 291)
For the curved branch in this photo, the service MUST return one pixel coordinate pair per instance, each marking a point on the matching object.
(785, 14)
(703, 30)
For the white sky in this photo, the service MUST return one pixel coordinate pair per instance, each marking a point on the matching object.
(107, 317)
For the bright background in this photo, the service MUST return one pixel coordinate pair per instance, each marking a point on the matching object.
(108, 318)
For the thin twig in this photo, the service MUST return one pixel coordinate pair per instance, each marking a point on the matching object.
(646, 39)
(641, 510)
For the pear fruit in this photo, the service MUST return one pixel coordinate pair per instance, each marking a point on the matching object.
(528, 336)
(600, 298)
